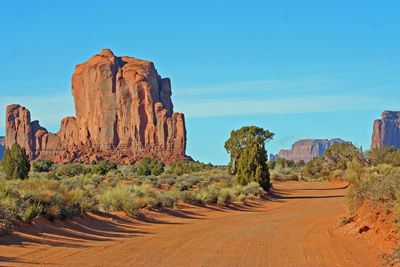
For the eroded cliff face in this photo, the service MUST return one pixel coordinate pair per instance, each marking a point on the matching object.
(387, 130)
(123, 113)
(307, 149)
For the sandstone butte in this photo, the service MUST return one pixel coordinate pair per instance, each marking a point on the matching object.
(123, 112)
(306, 149)
(386, 131)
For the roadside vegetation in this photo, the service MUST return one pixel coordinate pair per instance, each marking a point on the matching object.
(54, 191)
(373, 176)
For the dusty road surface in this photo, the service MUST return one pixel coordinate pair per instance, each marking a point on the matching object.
(294, 228)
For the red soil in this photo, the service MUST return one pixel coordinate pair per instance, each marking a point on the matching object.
(298, 226)
(376, 225)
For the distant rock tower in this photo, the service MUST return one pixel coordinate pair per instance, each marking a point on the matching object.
(123, 112)
(387, 130)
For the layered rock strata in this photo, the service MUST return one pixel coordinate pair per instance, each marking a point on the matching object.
(306, 149)
(123, 112)
(386, 131)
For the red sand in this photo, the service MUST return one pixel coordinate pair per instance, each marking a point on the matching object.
(298, 227)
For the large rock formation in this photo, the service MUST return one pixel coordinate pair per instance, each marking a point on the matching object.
(387, 130)
(307, 149)
(2, 146)
(123, 113)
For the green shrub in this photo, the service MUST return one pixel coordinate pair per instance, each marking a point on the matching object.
(103, 167)
(187, 167)
(70, 170)
(226, 196)
(149, 166)
(42, 165)
(31, 213)
(15, 162)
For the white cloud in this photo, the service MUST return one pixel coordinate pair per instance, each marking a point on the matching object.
(231, 107)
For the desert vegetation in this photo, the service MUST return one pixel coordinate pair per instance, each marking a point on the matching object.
(59, 191)
(246, 147)
(374, 175)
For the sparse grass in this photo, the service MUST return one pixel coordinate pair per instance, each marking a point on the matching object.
(73, 189)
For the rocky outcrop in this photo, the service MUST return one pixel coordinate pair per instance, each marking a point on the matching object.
(2, 146)
(307, 149)
(387, 130)
(123, 113)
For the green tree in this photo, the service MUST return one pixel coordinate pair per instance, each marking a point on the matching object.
(338, 155)
(149, 166)
(248, 155)
(379, 155)
(16, 162)
(103, 167)
(240, 138)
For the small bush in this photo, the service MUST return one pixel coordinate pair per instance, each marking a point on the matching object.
(32, 212)
(149, 166)
(186, 167)
(42, 165)
(103, 167)
(225, 197)
(71, 170)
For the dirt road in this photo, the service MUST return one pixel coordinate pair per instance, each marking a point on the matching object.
(295, 228)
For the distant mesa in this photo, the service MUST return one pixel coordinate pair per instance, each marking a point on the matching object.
(306, 149)
(123, 111)
(2, 146)
(386, 131)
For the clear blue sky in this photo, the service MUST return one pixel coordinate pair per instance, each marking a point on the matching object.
(302, 69)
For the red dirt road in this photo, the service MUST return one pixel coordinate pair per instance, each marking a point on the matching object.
(295, 228)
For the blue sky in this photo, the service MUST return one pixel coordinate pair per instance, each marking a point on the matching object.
(302, 69)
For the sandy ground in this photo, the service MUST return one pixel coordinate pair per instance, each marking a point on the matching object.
(297, 227)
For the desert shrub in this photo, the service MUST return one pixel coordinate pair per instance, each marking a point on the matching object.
(252, 188)
(42, 165)
(354, 171)
(338, 155)
(15, 162)
(187, 167)
(70, 170)
(103, 167)
(190, 198)
(379, 155)
(225, 197)
(375, 188)
(31, 213)
(149, 166)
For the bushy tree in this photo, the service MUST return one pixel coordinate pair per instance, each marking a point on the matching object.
(42, 165)
(103, 167)
(240, 138)
(248, 155)
(338, 155)
(16, 162)
(149, 166)
(378, 155)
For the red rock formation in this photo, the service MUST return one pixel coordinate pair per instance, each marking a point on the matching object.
(123, 113)
(387, 130)
(306, 149)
